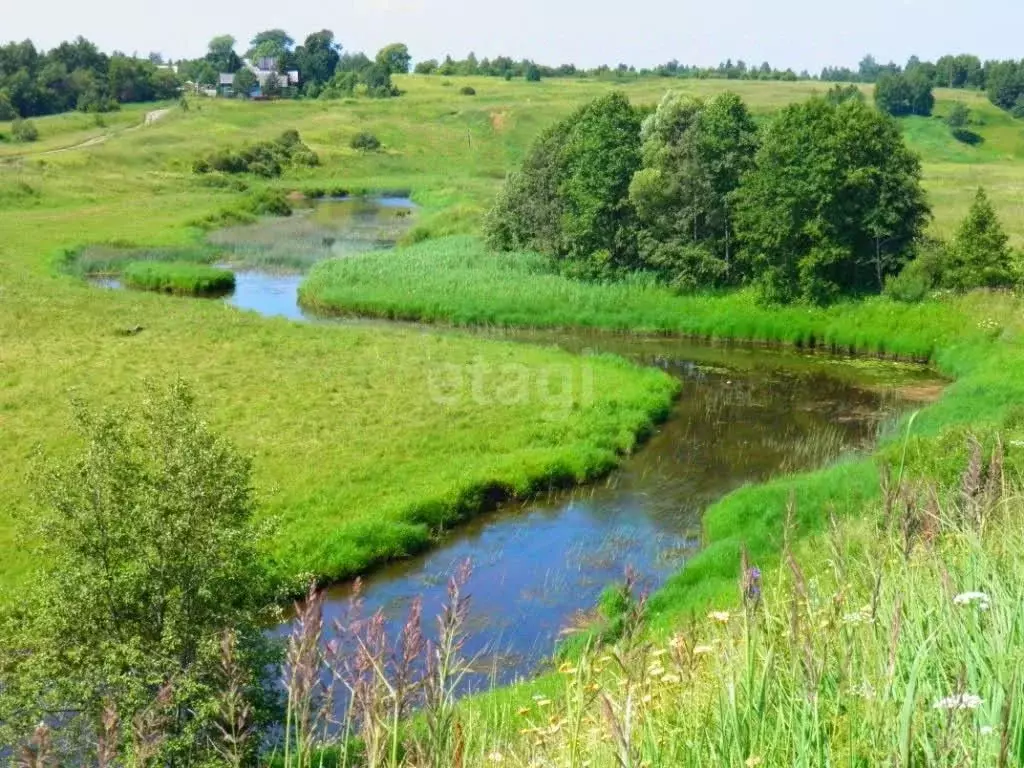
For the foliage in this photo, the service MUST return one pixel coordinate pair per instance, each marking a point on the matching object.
(24, 130)
(147, 555)
(317, 58)
(365, 142)
(901, 95)
(694, 155)
(266, 158)
(221, 54)
(244, 82)
(394, 58)
(959, 115)
(467, 90)
(980, 256)
(456, 280)
(600, 155)
(528, 212)
(570, 199)
(271, 44)
(911, 285)
(377, 80)
(76, 75)
(180, 278)
(837, 94)
(833, 205)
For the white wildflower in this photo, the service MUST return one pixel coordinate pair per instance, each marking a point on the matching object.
(495, 757)
(720, 616)
(969, 598)
(986, 730)
(959, 701)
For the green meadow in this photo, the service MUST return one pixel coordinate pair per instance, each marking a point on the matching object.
(346, 440)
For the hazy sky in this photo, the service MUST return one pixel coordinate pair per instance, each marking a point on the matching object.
(787, 33)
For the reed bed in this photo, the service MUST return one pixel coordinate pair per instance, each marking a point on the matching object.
(178, 277)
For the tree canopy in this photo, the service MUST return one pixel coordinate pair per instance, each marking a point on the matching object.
(694, 155)
(833, 204)
(394, 58)
(901, 95)
(148, 556)
(980, 256)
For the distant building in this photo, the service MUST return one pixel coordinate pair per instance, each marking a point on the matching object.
(263, 69)
(226, 84)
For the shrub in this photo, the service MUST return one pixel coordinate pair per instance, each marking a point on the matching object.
(24, 130)
(467, 90)
(365, 142)
(266, 158)
(268, 202)
(910, 286)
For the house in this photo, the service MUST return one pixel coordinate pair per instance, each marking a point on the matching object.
(226, 84)
(262, 69)
(265, 68)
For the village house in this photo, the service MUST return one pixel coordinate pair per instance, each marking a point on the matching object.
(263, 69)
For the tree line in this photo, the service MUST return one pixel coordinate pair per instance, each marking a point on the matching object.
(1003, 81)
(822, 201)
(76, 75)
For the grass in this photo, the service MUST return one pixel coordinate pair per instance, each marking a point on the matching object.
(973, 338)
(331, 415)
(359, 459)
(456, 280)
(180, 278)
(866, 648)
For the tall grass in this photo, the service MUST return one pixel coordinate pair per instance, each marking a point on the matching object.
(456, 280)
(178, 277)
(892, 639)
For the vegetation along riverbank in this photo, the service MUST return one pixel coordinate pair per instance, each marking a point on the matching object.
(845, 621)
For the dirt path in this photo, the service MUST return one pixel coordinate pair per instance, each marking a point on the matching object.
(151, 119)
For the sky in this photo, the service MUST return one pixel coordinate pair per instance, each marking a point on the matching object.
(797, 34)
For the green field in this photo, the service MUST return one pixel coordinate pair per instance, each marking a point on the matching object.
(336, 418)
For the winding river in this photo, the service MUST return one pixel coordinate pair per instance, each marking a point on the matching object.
(745, 414)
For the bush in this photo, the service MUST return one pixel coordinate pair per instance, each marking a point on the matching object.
(266, 158)
(910, 286)
(268, 202)
(24, 130)
(365, 142)
(467, 90)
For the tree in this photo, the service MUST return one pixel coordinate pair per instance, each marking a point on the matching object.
(569, 199)
(147, 557)
(901, 95)
(271, 44)
(394, 58)
(600, 156)
(527, 214)
(221, 54)
(833, 204)
(837, 94)
(377, 79)
(353, 62)
(532, 73)
(245, 81)
(1005, 83)
(694, 155)
(959, 116)
(317, 58)
(980, 256)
